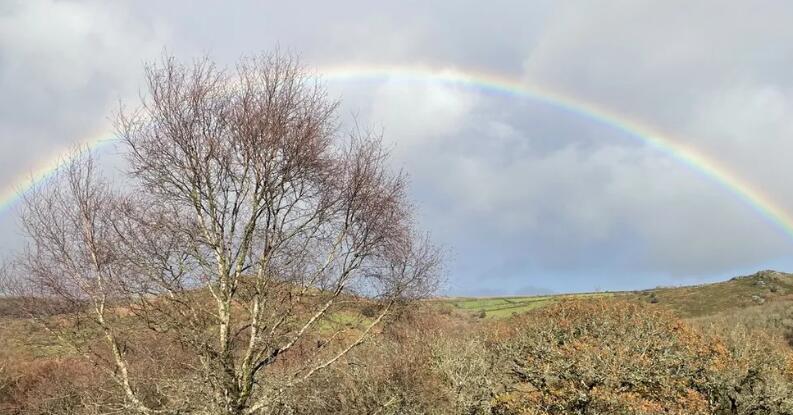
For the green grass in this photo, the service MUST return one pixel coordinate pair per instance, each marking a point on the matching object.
(709, 299)
(503, 307)
(687, 301)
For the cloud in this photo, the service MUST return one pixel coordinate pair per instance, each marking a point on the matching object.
(61, 61)
(523, 194)
(414, 113)
(63, 68)
(711, 79)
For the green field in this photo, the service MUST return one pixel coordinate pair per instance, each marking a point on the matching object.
(502, 307)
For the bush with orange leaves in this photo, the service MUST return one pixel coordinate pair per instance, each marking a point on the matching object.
(758, 378)
(48, 386)
(614, 357)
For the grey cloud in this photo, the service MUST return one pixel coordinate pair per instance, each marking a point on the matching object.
(63, 68)
(522, 193)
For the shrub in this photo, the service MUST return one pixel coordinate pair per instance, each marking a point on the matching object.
(370, 311)
(597, 357)
(465, 372)
(759, 376)
(48, 386)
(389, 375)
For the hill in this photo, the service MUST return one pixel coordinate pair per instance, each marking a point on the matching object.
(763, 287)
(508, 355)
(760, 288)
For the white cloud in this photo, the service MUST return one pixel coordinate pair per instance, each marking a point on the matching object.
(414, 113)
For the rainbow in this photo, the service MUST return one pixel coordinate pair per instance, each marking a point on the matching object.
(13, 192)
(644, 133)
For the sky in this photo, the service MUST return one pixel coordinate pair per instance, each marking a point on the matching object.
(525, 196)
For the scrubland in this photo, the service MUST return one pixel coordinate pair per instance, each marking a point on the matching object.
(620, 353)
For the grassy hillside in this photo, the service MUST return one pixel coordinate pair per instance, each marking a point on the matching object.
(760, 288)
(738, 293)
(763, 287)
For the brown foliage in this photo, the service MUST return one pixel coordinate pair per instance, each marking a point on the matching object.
(599, 357)
(47, 386)
(580, 357)
(415, 367)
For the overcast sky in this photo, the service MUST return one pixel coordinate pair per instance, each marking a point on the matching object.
(525, 196)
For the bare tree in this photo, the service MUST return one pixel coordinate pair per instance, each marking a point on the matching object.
(249, 235)
(71, 268)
